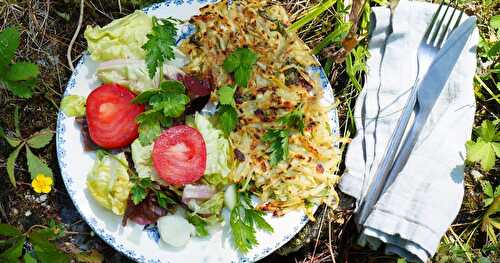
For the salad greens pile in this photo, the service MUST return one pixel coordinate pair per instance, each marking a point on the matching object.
(138, 52)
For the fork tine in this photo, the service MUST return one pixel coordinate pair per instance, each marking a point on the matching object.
(458, 20)
(431, 25)
(445, 30)
(439, 26)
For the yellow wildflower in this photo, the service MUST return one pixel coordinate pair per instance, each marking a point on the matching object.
(42, 183)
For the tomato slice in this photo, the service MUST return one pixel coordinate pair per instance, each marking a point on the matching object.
(111, 116)
(180, 155)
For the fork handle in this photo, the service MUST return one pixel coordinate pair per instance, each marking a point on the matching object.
(380, 177)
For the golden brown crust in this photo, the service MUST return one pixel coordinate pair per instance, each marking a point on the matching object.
(280, 83)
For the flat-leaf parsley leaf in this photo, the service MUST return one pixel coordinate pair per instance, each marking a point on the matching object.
(159, 46)
(278, 145)
(244, 220)
(240, 62)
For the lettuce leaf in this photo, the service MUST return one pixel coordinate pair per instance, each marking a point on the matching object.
(141, 155)
(109, 184)
(123, 38)
(217, 146)
(130, 73)
(212, 206)
(133, 74)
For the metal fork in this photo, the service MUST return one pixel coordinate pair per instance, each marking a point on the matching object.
(431, 43)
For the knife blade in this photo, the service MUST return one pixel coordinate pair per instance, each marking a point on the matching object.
(431, 87)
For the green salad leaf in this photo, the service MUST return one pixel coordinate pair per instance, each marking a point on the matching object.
(73, 106)
(108, 182)
(121, 39)
(217, 146)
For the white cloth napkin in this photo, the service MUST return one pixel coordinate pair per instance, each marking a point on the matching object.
(417, 209)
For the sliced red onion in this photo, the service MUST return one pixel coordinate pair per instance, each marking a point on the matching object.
(199, 192)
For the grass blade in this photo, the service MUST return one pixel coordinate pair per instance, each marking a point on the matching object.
(312, 14)
(336, 35)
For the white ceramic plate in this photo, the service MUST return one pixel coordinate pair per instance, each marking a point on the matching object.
(137, 242)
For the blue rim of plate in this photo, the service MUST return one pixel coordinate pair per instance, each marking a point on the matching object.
(109, 239)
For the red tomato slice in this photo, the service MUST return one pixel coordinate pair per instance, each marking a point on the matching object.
(111, 116)
(180, 155)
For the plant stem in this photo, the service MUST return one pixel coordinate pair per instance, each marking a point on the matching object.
(312, 14)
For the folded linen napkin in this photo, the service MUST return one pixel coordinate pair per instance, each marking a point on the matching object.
(415, 211)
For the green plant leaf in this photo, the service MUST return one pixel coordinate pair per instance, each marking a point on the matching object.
(9, 231)
(28, 258)
(11, 161)
(22, 71)
(22, 89)
(9, 42)
(12, 141)
(495, 22)
(36, 165)
(13, 253)
(45, 251)
(40, 139)
(482, 152)
(494, 50)
(487, 188)
(487, 131)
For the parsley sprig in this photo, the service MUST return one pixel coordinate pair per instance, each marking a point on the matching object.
(244, 220)
(159, 46)
(278, 145)
(278, 138)
(165, 103)
(293, 119)
(240, 63)
(227, 116)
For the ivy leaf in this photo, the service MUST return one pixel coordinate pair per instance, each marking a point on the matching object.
(12, 141)
(13, 253)
(9, 42)
(9, 231)
(22, 71)
(11, 161)
(36, 165)
(40, 139)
